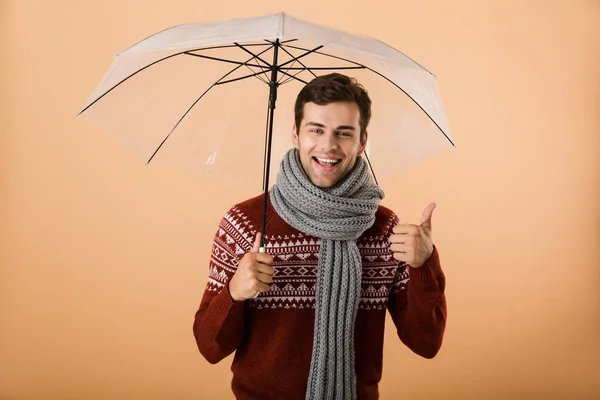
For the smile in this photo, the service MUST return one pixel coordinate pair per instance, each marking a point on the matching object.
(326, 161)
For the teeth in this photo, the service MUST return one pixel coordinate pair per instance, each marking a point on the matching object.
(326, 160)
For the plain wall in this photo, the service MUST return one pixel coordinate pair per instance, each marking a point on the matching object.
(103, 261)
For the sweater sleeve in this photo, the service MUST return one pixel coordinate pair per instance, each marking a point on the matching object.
(417, 305)
(219, 322)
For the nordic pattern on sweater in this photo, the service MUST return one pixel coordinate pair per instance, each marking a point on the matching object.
(295, 263)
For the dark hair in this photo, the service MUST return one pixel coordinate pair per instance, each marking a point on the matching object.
(330, 88)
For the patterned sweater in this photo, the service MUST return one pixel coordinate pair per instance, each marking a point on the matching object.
(272, 335)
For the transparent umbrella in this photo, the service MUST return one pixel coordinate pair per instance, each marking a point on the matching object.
(218, 97)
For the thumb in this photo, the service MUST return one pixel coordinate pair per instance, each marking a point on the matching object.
(256, 246)
(426, 218)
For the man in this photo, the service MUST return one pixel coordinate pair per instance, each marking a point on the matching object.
(306, 317)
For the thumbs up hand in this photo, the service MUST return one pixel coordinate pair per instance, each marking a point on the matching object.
(412, 244)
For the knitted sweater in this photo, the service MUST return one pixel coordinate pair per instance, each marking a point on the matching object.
(272, 335)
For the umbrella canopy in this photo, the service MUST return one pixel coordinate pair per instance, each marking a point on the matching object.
(198, 95)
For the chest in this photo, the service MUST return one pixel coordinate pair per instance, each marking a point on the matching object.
(296, 260)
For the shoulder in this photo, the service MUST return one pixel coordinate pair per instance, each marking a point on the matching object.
(247, 209)
(242, 221)
(250, 208)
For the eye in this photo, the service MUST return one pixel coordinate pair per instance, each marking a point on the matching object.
(344, 134)
(316, 130)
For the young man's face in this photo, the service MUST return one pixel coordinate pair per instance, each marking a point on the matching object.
(328, 140)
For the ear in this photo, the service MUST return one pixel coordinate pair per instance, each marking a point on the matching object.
(295, 136)
(363, 142)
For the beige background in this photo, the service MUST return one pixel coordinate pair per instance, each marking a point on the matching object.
(103, 260)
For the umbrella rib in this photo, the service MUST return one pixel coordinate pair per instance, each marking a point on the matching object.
(414, 101)
(163, 59)
(281, 80)
(257, 57)
(285, 41)
(299, 62)
(192, 106)
(181, 119)
(371, 168)
(281, 47)
(263, 80)
(387, 79)
(284, 81)
(223, 60)
(324, 68)
(293, 76)
(325, 54)
(300, 48)
(226, 46)
(239, 78)
(300, 56)
(293, 60)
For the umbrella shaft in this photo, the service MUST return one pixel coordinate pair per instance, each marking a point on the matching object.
(273, 84)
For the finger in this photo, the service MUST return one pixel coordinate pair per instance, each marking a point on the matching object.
(405, 229)
(261, 287)
(264, 258)
(426, 218)
(256, 245)
(264, 278)
(399, 247)
(400, 229)
(398, 238)
(406, 240)
(401, 257)
(265, 269)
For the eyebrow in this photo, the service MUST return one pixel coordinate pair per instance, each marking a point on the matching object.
(344, 127)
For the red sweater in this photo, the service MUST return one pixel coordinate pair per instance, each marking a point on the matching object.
(272, 335)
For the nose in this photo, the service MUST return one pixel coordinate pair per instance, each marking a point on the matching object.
(329, 141)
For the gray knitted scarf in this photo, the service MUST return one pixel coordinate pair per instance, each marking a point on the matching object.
(338, 216)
